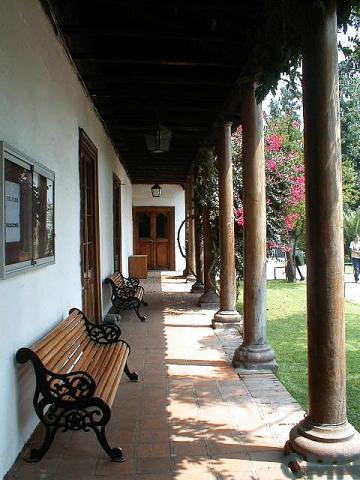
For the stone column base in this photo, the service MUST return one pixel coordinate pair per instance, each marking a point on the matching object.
(198, 287)
(255, 357)
(209, 299)
(226, 316)
(327, 444)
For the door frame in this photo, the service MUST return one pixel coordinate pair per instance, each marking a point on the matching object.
(171, 229)
(87, 146)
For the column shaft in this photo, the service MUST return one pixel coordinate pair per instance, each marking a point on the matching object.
(191, 243)
(254, 352)
(190, 250)
(186, 227)
(199, 283)
(209, 297)
(325, 432)
(227, 312)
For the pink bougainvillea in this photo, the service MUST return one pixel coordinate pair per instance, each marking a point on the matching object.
(297, 190)
(290, 220)
(239, 217)
(272, 244)
(274, 143)
(271, 165)
(285, 181)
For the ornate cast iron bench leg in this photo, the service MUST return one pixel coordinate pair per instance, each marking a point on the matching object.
(115, 454)
(36, 454)
(133, 376)
(137, 311)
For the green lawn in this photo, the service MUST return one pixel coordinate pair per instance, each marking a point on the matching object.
(286, 331)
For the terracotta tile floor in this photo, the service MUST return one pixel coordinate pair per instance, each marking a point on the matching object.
(191, 416)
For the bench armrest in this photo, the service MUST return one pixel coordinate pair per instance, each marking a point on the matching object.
(131, 281)
(126, 292)
(109, 333)
(102, 333)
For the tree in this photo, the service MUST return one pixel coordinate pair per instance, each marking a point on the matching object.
(349, 83)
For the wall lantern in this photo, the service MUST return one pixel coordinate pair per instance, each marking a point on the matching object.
(156, 190)
(158, 140)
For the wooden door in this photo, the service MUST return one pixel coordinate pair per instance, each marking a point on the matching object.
(154, 236)
(89, 216)
(117, 223)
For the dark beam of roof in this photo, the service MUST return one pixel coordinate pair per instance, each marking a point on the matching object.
(237, 6)
(143, 79)
(179, 179)
(111, 94)
(121, 32)
(139, 128)
(132, 107)
(90, 57)
(186, 135)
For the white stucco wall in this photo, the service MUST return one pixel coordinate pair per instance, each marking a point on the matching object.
(42, 106)
(171, 196)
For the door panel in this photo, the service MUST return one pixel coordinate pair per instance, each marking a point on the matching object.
(162, 255)
(161, 247)
(90, 269)
(154, 236)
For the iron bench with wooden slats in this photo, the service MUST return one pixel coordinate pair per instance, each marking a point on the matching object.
(126, 294)
(78, 367)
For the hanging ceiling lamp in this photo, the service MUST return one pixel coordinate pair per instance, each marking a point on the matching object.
(156, 190)
(158, 140)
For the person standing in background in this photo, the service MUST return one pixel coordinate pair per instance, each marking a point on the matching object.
(355, 256)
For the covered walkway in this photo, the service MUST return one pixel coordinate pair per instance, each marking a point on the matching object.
(191, 416)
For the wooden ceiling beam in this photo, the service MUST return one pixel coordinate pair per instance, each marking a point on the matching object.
(100, 59)
(141, 128)
(137, 94)
(185, 135)
(179, 180)
(142, 79)
(218, 6)
(139, 117)
(121, 32)
(134, 107)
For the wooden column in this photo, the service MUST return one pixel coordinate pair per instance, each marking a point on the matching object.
(227, 312)
(191, 227)
(198, 286)
(324, 434)
(186, 226)
(254, 353)
(209, 297)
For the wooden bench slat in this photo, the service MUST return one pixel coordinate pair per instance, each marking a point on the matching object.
(64, 347)
(110, 394)
(68, 361)
(109, 375)
(102, 362)
(56, 338)
(95, 361)
(87, 357)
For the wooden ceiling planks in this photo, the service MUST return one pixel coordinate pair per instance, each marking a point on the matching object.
(174, 62)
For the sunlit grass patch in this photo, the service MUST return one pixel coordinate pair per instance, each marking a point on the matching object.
(287, 334)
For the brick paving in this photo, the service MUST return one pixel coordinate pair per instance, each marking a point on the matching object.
(190, 416)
